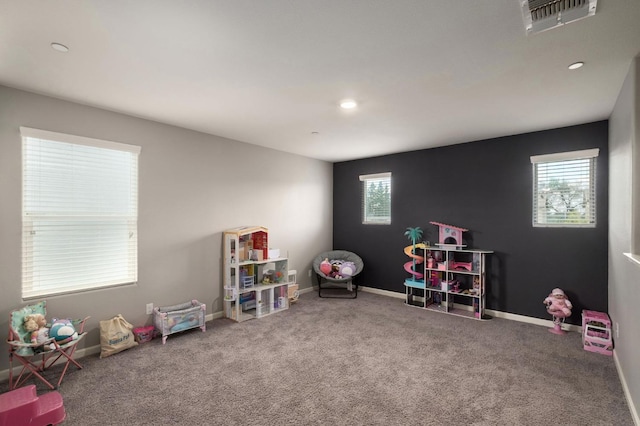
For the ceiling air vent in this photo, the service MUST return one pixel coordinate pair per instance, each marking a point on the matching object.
(542, 15)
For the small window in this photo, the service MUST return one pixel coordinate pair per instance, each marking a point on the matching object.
(564, 189)
(79, 213)
(376, 199)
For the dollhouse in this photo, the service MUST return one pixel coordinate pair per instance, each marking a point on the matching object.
(449, 235)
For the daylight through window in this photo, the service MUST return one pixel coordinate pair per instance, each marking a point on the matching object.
(376, 198)
(79, 213)
(564, 189)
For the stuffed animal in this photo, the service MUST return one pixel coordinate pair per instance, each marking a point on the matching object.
(325, 267)
(557, 304)
(63, 329)
(36, 325)
(347, 269)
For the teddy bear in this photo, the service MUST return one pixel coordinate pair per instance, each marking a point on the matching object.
(36, 325)
(558, 305)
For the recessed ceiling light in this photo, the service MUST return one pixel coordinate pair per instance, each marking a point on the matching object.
(59, 47)
(348, 104)
(576, 65)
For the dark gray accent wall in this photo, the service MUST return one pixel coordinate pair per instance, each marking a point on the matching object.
(485, 186)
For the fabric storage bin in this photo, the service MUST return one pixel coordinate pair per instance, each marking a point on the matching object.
(143, 334)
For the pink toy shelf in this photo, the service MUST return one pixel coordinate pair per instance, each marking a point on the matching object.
(596, 332)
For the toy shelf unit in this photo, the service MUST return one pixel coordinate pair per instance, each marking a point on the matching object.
(256, 279)
(454, 282)
(596, 332)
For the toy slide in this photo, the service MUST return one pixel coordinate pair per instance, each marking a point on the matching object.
(408, 250)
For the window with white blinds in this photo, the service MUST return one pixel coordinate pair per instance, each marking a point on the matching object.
(376, 199)
(79, 213)
(564, 189)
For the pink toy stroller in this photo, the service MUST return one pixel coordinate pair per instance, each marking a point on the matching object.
(559, 307)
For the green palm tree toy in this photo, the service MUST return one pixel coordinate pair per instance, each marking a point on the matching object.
(415, 235)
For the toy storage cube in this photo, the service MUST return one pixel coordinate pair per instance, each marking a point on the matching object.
(176, 318)
(596, 332)
(246, 282)
(143, 334)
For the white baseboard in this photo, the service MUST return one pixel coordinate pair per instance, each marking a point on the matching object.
(490, 312)
(531, 320)
(535, 321)
(625, 388)
(213, 316)
(91, 350)
(307, 290)
(387, 293)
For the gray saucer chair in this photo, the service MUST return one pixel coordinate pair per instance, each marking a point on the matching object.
(345, 283)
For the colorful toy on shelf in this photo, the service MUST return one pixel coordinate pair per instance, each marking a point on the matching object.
(247, 278)
(230, 293)
(449, 235)
(559, 307)
(272, 277)
(476, 285)
(460, 265)
(414, 234)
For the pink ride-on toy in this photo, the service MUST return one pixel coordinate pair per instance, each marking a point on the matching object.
(22, 407)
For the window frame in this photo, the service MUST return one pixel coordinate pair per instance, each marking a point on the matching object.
(81, 215)
(367, 218)
(564, 159)
(634, 254)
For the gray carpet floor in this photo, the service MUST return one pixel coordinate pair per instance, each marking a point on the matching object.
(371, 360)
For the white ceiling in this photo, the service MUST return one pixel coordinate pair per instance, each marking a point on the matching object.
(426, 73)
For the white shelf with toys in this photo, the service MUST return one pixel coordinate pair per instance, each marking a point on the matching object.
(449, 278)
(256, 279)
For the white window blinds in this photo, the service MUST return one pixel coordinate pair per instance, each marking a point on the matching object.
(79, 213)
(376, 198)
(564, 189)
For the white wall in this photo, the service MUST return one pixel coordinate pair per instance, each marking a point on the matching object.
(193, 186)
(624, 275)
